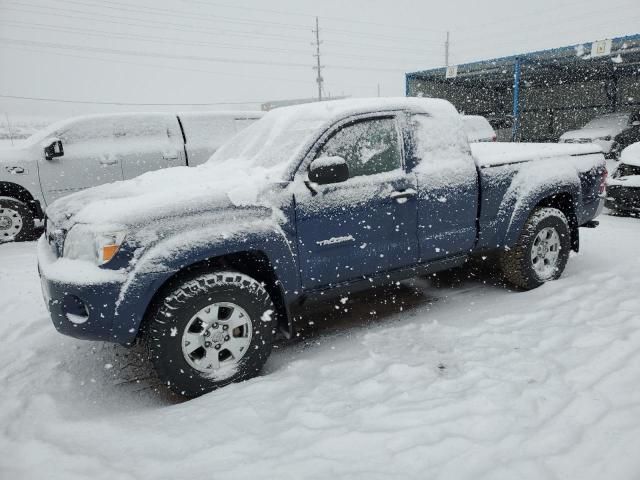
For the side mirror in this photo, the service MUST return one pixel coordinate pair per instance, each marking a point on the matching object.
(324, 170)
(53, 149)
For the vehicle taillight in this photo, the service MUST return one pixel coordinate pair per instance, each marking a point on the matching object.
(495, 137)
(603, 181)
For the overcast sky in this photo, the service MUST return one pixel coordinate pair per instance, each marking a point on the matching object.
(197, 51)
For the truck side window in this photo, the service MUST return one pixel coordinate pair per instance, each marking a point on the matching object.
(369, 147)
(139, 127)
(87, 130)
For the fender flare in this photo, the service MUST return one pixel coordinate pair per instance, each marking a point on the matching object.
(155, 268)
(523, 196)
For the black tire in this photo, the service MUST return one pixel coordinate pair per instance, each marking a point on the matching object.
(16, 221)
(169, 318)
(517, 264)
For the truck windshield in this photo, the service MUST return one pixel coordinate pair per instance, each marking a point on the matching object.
(273, 143)
(47, 132)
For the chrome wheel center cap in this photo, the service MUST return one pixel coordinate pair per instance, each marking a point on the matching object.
(217, 336)
(5, 223)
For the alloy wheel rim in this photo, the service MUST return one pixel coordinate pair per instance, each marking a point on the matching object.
(217, 336)
(545, 253)
(10, 223)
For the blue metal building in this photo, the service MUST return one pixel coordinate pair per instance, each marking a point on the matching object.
(539, 95)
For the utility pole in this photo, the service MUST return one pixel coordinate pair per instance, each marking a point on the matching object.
(318, 66)
(446, 51)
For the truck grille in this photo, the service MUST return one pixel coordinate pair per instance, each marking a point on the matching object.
(577, 140)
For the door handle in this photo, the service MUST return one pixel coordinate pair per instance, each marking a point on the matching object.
(402, 196)
(170, 157)
(108, 161)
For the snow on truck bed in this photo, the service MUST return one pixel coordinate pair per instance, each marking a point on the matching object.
(472, 382)
(494, 154)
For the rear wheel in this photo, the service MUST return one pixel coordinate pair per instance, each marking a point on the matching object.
(212, 330)
(542, 251)
(16, 221)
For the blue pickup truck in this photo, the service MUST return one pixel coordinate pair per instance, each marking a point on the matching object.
(204, 266)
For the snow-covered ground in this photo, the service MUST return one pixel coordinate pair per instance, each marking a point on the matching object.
(468, 382)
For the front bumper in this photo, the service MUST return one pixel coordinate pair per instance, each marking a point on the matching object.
(623, 199)
(82, 311)
(98, 305)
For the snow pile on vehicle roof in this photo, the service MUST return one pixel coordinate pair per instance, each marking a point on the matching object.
(442, 149)
(493, 154)
(631, 155)
(287, 132)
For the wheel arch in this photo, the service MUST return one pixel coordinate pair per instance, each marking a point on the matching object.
(564, 200)
(20, 193)
(254, 263)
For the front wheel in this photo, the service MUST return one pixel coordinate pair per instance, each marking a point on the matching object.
(212, 330)
(16, 221)
(542, 251)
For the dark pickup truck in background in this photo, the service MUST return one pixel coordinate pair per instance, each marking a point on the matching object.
(205, 265)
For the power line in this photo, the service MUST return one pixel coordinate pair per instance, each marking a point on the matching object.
(117, 20)
(163, 40)
(146, 38)
(148, 54)
(119, 6)
(200, 19)
(91, 102)
(183, 57)
(556, 21)
(163, 66)
(182, 69)
(190, 29)
(507, 21)
(308, 15)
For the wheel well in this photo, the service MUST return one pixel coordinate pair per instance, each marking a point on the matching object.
(18, 192)
(567, 205)
(253, 263)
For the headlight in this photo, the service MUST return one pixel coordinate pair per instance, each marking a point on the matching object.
(96, 246)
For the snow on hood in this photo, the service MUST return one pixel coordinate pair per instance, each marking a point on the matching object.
(591, 133)
(15, 154)
(163, 193)
(628, 181)
(631, 155)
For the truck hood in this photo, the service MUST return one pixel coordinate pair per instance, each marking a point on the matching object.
(14, 155)
(164, 194)
(590, 133)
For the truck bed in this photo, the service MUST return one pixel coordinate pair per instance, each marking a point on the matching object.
(496, 154)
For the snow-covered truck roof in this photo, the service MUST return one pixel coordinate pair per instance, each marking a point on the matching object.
(283, 134)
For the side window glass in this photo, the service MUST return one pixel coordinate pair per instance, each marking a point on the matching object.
(138, 127)
(87, 131)
(369, 147)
